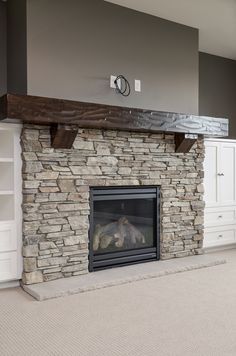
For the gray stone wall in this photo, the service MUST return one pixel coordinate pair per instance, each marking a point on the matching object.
(56, 187)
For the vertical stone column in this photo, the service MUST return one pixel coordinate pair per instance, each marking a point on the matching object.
(55, 212)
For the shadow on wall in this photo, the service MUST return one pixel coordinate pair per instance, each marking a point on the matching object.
(3, 49)
(217, 89)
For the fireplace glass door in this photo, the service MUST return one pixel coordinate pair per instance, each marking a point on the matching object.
(124, 226)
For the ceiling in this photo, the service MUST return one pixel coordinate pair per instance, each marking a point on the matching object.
(215, 19)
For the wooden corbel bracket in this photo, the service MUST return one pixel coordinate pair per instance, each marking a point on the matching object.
(184, 142)
(62, 136)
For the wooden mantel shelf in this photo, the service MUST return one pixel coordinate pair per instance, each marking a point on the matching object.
(48, 111)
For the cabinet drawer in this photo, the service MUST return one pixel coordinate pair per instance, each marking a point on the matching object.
(220, 217)
(8, 238)
(217, 237)
(8, 266)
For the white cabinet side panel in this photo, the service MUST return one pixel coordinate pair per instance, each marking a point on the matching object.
(227, 179)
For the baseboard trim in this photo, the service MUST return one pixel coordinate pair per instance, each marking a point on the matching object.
(219, 248)
(9, 284)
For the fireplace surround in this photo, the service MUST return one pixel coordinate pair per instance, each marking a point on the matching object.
(56, 194)
(124, 226)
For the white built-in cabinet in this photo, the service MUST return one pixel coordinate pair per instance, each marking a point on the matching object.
(220, 192)
(10, 202)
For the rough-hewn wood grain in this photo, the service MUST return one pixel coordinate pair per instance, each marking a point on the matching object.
(63, 136)
(40, 110)
(184, 142)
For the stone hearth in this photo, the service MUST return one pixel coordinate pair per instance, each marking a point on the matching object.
(56, 184)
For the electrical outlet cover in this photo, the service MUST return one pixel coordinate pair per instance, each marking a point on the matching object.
(112, 82)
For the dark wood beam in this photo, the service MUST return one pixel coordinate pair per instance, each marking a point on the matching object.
(62, 136)
(184, 142)
(46, 111)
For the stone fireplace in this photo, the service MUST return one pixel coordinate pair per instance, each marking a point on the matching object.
(57, 186)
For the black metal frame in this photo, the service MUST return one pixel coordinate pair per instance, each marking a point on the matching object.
(127, 257)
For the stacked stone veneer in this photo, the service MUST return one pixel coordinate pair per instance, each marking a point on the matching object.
(56, 187)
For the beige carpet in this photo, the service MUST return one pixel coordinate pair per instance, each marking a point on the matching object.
(192, 313)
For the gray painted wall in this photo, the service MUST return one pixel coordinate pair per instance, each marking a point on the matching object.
(16, 47)
(74, 46)
(3, 49)
(217, 88)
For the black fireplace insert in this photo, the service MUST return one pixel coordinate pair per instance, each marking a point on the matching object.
(124, 226)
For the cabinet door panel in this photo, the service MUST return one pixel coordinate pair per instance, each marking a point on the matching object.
(8, 237)
(211, 174)
(227, 169)
(8, 266)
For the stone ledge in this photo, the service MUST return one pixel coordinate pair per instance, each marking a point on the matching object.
(118, 276)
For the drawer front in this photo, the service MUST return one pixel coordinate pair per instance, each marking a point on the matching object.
(220, 217)
(8, 238)
(213, 237)
(8, 266)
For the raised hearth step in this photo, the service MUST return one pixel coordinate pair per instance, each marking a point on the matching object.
(118, 276)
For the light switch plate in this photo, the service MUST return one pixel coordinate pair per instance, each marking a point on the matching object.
(137, 85)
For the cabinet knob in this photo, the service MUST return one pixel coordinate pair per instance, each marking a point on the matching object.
(220, 216)
(220, 236)
(220, 174)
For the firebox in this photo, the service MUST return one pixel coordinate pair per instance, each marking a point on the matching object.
(124, 226)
